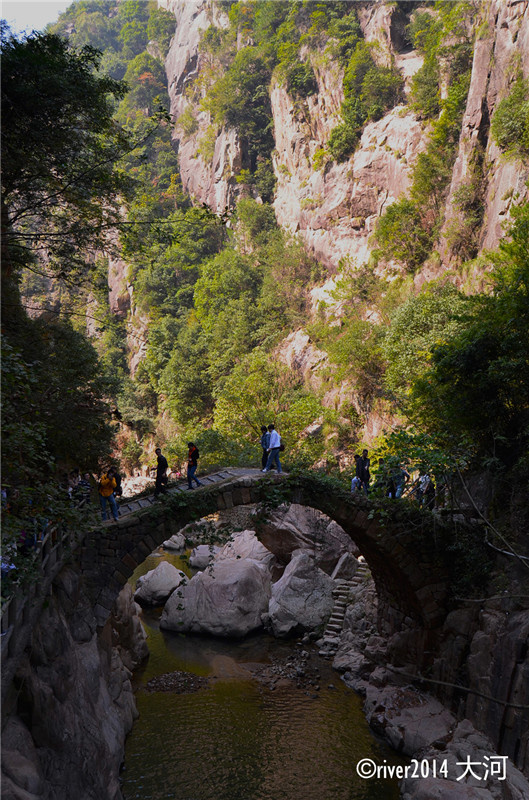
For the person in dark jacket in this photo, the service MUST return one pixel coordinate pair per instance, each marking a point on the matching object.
(192, 464)
(161, 473)
(265, 444)
(363, 472)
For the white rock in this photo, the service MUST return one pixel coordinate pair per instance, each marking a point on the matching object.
(295, 527)
(176, 542)
(157, 585)
(346, 567)
(203, 555)
(246, 545)
(301, 599)
(226, 600)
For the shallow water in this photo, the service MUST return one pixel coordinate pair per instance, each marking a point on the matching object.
(238, 739)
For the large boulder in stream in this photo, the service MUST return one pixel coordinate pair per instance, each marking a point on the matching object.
(227, 600)
(202, 556)
(156, 586)
(246, 545)
(302, 599)
(295, 527)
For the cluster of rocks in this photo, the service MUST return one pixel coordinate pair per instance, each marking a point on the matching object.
(279, 575)
(177, 682)
(298, 669)
(415, 723)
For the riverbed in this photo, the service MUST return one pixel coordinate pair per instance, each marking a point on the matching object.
(258, 719)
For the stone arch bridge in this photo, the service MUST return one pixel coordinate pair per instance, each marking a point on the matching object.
(405, 548)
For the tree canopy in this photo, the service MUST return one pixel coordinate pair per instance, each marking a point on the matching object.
(60, 149)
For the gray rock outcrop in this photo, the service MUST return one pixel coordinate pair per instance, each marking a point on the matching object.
(302, 599)
(226, 600)
(76, 689)
(153, 588)
(203, 555)
(296, 527)
(246, 545)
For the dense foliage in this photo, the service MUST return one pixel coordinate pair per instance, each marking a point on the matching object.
(60, 148)
(510, 123)
(214, 295)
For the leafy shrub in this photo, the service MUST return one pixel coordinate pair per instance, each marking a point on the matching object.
(425, 93)
(160, 28)
(131, 453)
(301, 81)
(401, 236)
(478, 383)
(206, 144)
(510, 123)
(381, 90)
(369, 91)
(342, 142)
(188, 122)
(418, 325)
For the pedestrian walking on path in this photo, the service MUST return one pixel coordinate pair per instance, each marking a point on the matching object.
(192, 464)
(107, 484)
(356, 482)
(161, 473)
(265, 444)
(274, 447)
(363, 472)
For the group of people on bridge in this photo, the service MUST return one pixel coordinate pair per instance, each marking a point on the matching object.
(392, 480)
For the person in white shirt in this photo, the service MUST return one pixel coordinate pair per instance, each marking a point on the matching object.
(273, 450)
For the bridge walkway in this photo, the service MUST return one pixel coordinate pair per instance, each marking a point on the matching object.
(129, 506)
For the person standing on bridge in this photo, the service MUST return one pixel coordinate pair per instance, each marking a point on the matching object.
(192, 464)
(356, 482)
(265, 444)
(274, 447)
(363, 473)
(107, 484)
(161, 473)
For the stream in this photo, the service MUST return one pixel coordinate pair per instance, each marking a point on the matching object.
(238, 727)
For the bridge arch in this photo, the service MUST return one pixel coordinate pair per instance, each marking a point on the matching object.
(398, 542)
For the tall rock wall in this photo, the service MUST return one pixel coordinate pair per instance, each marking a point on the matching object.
(65, 731)
(207, 180)
(334, 207)
(501, 48)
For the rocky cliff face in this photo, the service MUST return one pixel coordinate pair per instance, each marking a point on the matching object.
(334, 207)
(208, 180)
(502, 46)
(75, 702)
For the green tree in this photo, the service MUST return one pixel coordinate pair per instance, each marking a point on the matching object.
(161, 27)
(420, 324)
(400, 234)
(478, 383)
(59, 150)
